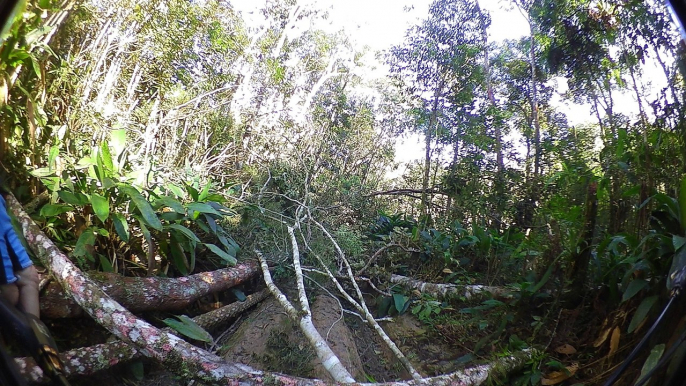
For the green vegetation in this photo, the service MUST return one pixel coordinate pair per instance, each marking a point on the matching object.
(169, 137)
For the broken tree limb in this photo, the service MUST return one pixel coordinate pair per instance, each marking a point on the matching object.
(213, 319)
(150, 293)
(175, 354)
(89, 360)
(328, 358)
(451, 290)
(379, 252)
(360, 304)
(82, 361)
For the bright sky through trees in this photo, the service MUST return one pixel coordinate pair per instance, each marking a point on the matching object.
(380, 24)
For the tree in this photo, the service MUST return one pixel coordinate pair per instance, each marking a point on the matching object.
(436, 68)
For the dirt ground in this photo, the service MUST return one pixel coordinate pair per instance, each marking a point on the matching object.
(264, 338)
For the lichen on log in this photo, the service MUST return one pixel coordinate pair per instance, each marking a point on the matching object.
(139, 294)
(89, 360)
(451, 290)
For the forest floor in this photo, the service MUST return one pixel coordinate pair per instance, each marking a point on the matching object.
(266, 339)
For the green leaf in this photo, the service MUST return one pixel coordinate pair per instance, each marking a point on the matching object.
(101, 206)
(87, 239)
(171, 216)
(121, 226)
(641, 312)
(166, 201)
(186, 326)
(211, 222)
(239, 294)
(463, 360)
(53, 210)
(106, 157)
(99, 169)
(178, 256)
(205, 192)
(44, 4)
(193, 192)
(118, 141)
(682, 204)
(54, 152)
(633, 288)
(105, 264)
(42, 172)
(400, 301)
(634, 190)
(143, 206)
(78, 199)
(652, 359)
(176, 190)
(186, 232)
(201, 207)
(137, 369)
(678, 261)
(678, 242)
(231, 260)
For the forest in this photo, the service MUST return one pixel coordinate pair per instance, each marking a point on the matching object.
(210, 201)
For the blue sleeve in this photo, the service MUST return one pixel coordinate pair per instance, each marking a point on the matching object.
(11, 238)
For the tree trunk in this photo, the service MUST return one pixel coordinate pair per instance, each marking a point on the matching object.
(534, 105)
(433, 119)
(154, 293)
(500, 164)
(584, 247)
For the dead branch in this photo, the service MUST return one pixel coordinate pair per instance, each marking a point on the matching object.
(451, 290)
(360, 304)
(174, 353)
(379, 252)
(108, 355)
(405, 192)
(139, 294)
(329, 360)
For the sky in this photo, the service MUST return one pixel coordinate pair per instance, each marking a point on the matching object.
(380, 24)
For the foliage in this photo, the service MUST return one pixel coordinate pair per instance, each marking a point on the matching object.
(95, 201)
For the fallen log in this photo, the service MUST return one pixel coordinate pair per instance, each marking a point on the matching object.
(451, 290)
(104, 356)
(89, 360)
(175, 354)
(139, 294)
(172, 352)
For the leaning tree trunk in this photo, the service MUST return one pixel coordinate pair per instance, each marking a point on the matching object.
(151, 293)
